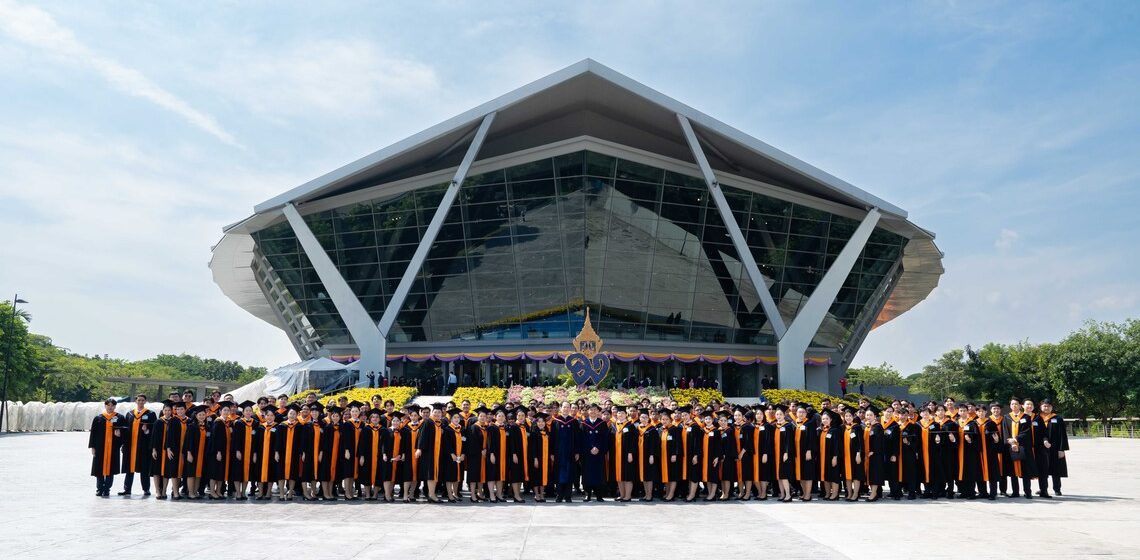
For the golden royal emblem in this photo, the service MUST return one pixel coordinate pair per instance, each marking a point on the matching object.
(588, 364)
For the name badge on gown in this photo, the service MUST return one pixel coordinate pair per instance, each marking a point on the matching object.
(273, 429)
(761, 428)
(624, 430)
(1034, 422)
(114, 419)
(670, 438)
(1024, 420)
(1053, 421)
(688, 429)
(803, 428)
(888, 432)
(828, 436)
(852, 436)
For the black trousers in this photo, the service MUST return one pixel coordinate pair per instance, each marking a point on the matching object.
(564, 491)
(103, 484)
(129, 479)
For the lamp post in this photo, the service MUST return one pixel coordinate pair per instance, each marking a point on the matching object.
(8, 361)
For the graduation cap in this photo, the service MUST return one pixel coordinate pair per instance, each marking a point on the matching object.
(246, 404)
(334, 410)
(706, 414)
(168, 402)
(195, 410)
(665, 411)
(395, 413)
(541, 416)
(451, 411)
(643, 411)
(438, 406)
(482, 410)
(294, 407)
(594, 406)
(724, 414)
(316, 405)
(355, 404)
(179, 404)
(497, 410)
(781, 407)
(226, 404)
(835, 417)
(686, 408)
(521, 408)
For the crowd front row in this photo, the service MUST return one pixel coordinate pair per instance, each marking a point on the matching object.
(357, 451)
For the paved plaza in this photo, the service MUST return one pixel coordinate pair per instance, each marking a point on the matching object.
(49, 510)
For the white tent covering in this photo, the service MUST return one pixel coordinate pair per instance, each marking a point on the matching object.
(38, 416)
(317, 373)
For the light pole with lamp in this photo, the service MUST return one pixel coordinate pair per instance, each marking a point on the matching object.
(8, 360)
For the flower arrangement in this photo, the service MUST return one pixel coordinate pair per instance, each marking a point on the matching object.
(620, 397)
(813, 398)
(703, 396)
(487, 395)
(398, 395)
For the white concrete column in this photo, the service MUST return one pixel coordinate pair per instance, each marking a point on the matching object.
(794, 344)
(405, 286)
(738, 241)
(363, 331)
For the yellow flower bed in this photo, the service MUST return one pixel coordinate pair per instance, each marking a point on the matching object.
(398, 395)
(814, 397)
(488, 395)
(704, 396)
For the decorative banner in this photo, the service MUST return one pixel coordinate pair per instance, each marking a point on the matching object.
(542, 355)
(588, 364)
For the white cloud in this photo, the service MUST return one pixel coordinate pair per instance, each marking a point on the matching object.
(337, 77)
(36, 28)
(1006, 239)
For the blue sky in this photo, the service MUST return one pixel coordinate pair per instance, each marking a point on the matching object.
(130, 135)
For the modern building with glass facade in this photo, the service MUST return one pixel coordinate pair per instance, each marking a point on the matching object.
(476, 247)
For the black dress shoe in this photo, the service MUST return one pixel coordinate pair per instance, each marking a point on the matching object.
(124, 493)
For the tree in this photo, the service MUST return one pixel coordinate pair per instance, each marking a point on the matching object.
(881, 375)
(1095, 369)
(997, 372)
(20, 348)
(943, 378)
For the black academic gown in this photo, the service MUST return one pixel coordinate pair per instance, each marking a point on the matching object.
(106, 438)
(218, 456)
(875, 445)
(764, 452)
(289, 444)
(243, 466)
(198, 445)
(831, 453)
(451, 443)
(991, 446)
(174, 445)
(969, 464)
(474, 453)
(138, 442)
(807, 450)
(1058, 439)
(373, 447)
(402, 442)
(332, 465)
(892, 440)
(910, 439)
(518, 447)
(498, 453)
(1023, 461)
(649, 454)
(624, 452)
(784, 444)
(672, 458)
(745, 447)
(428, 444)
(590, 435)
(541, 465)
(726, 450)
(853, 454)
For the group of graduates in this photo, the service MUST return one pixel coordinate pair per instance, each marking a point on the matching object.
(357, 451)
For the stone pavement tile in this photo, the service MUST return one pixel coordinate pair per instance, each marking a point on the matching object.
(62, 518)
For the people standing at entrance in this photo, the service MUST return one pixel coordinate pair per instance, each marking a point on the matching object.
(843, 385)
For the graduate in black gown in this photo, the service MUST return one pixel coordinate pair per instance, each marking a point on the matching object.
(542, 456)
(764, 454)
(624, 454)
(991, 445)
(875, 448)
(1038, 452)
(671, 457)
(910, 439)
(831, 445)
(197, 446)
(498, 452)
(727, 452)
(475, 455)
(174, 447)
(220, 451)
(593, 444)
(807, 452)
(1055, 444)
(929, 455)
(268, 461)
(428, 454)
(705, 458)
(243, 462)
(968, 460)
(451, 454)
(137, 448)
(158, 449)
(784, 445)
(891, 463)
(104, 441)
(373, 463)
(1017, 430)
(518, 447)
(334, 461)
(648, 454)
(289, 452)
(400, 456)
(744, 428)
(853, 454)
(564, 443)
